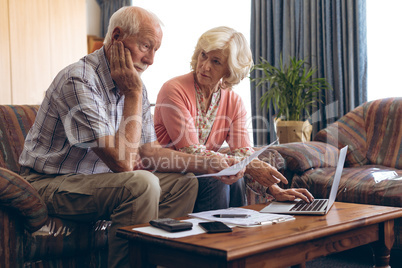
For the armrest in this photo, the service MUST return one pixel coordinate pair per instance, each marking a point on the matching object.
(18, 195)
(302, 156)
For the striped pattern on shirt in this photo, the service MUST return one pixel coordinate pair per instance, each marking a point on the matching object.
(81, 105)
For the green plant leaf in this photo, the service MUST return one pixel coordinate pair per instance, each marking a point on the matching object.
(291, 87)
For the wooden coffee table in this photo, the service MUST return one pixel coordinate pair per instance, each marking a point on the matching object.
(292, 243)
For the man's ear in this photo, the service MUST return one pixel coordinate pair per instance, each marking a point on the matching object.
(117, 34)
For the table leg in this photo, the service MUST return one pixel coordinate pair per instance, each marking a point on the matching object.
(382, 248)
(138, 258)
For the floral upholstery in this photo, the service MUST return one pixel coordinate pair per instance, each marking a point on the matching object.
(33, 238)
(372, 172)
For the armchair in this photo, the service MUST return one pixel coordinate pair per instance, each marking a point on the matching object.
(29, 236)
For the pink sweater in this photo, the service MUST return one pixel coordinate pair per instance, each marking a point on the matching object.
(176, 110)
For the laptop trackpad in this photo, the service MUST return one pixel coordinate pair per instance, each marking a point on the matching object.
(276, 207)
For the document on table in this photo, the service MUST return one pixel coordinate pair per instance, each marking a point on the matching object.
(254, 218)
(233, 170)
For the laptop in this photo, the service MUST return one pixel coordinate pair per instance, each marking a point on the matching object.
(318, 206)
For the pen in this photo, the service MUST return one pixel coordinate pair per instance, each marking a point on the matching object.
(231, 215)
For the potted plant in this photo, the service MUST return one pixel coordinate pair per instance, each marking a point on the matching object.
(293, 90)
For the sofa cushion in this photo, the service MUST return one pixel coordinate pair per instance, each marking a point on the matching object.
(383, 124)
(348, 130)
(15, 122)
(370, 184)
(19, 196)
(302, 156)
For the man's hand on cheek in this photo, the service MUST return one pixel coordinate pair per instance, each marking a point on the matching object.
(122, 69)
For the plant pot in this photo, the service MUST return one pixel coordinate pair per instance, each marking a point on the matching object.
(293, 131)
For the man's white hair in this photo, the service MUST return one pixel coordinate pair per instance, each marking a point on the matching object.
(129, 18)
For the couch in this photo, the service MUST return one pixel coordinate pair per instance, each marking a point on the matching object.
(29, 236)
(373, 168)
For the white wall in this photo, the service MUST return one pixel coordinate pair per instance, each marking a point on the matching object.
(93, 18)
(184, 22)
(384, 23)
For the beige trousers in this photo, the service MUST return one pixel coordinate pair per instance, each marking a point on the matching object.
(125, 198)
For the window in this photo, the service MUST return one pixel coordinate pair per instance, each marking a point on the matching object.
(383, 48)
(184, 22)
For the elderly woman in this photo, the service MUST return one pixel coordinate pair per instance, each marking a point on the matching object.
(196, 112)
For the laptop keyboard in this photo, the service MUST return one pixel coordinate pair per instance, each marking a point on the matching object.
(316, 205)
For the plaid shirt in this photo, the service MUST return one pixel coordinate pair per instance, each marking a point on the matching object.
(81, 105)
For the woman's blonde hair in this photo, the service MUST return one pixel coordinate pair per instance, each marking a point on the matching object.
(232, 43)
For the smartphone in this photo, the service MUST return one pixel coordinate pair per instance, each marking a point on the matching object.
(171, 225)
(215, 227)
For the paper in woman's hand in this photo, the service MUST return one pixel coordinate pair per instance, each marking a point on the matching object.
(236, 168)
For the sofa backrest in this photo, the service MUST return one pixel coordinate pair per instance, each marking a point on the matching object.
(348, 130)
(15, 122)
(373, 132)
(383, 122)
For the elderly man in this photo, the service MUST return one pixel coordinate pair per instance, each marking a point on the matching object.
(93, 138)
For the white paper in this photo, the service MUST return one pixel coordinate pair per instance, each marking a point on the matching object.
(236, 168)
(255, 218)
